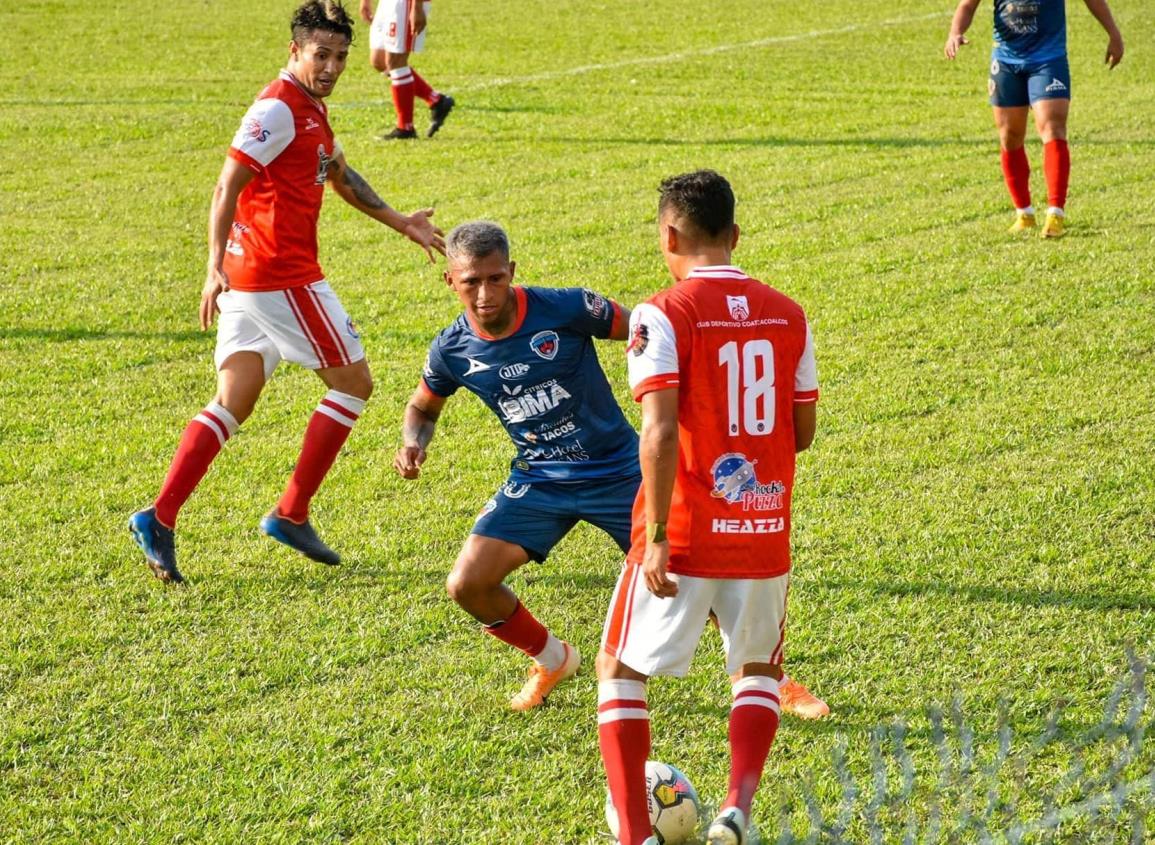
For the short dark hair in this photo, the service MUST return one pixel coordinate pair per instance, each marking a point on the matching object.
(476, 239)
(328, 15)
(703, 199)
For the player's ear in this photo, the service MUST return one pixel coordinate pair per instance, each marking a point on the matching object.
(734, 237)
(512, 270)
(669, 239)
(448, 279)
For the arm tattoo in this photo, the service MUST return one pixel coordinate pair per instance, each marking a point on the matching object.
(361, 190)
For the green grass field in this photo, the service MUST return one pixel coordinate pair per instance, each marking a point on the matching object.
(975, 519)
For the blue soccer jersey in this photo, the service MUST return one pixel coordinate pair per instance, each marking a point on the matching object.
(544, 383)
(1030, 30)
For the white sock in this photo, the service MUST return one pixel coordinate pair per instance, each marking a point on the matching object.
(1055, 210)
(553, 655)
(1030, 209)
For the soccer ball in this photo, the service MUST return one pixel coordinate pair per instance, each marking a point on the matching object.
(674, 805)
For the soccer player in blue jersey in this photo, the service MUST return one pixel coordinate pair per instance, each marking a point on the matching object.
(1029, 70)
(528, 354)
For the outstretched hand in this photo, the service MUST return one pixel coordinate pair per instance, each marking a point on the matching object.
(215, 284)
(420, 229)
(953, 44)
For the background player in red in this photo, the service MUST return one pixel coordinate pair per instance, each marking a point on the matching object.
(724, 368)
(1029, 69)
(273, 300)
(396, 30)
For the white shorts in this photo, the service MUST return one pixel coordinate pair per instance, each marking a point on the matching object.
(658, 636)
(390, 28)
(305, 325)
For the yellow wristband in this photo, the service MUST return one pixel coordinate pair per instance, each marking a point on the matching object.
(656, 532)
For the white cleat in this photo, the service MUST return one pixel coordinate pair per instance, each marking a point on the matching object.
(728, 828)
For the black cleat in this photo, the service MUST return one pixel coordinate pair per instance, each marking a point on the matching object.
(156, 541)
(300, 537)
(440, 111)
(398, 135)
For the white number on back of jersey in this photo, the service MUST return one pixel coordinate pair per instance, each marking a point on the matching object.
(749, 386)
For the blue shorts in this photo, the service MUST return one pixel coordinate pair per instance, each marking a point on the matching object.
(536, 516)
(1025, 83)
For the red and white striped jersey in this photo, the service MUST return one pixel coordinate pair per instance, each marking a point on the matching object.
(285, 139)
(741, 355)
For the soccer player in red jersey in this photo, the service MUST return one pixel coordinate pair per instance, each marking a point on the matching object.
(273, 300)
(723, 366)
(1029, 69)
(396, 30)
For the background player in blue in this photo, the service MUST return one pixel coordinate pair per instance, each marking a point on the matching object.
(1029, 70)
(528, 354)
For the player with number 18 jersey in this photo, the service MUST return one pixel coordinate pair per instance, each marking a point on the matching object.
(730, 515)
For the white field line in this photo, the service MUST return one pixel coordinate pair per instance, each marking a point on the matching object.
(668, 58)
(707, 51)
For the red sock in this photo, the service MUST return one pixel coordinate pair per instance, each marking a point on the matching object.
(1057, 166)
(402, 82)
(422, 89)
(1017, 173)
(327, 432)
(202, 439)
(521, 630)
(624, 737)
(753, 723)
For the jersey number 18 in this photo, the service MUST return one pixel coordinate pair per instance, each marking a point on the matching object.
(753, 377)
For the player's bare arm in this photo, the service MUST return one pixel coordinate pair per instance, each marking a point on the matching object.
(964, 14)
(658, 455)
(352, 187)
(1102, 13)
(621, 329)
(367, 11)
(805, 424)
(417, 428)
(234, 176)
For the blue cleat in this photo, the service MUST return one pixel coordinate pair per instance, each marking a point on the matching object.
(300, 537)
(156, 541)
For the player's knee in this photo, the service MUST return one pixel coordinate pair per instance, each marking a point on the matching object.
(380, 61)
(460, 586)
(1012, 139)
(396, 61)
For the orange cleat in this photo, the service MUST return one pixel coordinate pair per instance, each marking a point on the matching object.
(799, 701)
(542, 681)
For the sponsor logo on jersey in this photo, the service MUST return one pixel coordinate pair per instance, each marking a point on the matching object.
(1056, 85)
(739, 307)
(311, 124)
(513, 490)
(595, 303)
(540, 399)
(513, 371)
(475, 366)
(553, 433)
(351, 328)
(772, 525)
(736, 481)
(639, 339)
(545, 344)
(564, 452)
(255, 131)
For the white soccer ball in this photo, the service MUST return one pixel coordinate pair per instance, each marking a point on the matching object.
(674, 805)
